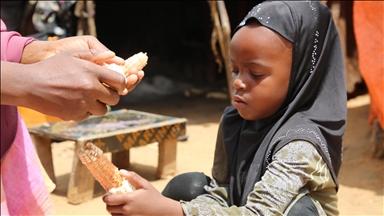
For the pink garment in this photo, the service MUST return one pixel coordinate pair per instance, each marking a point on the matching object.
(12, 44)
(23, 190)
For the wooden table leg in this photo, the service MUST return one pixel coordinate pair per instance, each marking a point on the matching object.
(121, 159)
(44, 151)
(167, 158)
(81, 181)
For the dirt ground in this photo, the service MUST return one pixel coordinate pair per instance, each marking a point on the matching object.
(361, 175)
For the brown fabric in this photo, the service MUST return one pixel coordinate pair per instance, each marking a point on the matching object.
(369, 26)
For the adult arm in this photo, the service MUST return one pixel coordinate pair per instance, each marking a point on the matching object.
(26, 50)
(67, 85)
(39, 50)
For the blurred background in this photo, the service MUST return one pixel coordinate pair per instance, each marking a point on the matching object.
(186, 76)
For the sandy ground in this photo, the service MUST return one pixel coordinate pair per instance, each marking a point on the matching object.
(361, 175)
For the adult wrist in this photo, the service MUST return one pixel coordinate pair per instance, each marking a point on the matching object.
(34, 52)
(13, 91)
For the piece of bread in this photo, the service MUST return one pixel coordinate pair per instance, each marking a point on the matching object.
(105, 172)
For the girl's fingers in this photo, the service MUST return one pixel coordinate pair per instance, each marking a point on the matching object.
(136, 180)
(115, 200)
(115, 210)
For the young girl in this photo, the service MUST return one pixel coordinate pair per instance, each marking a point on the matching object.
(279, 147)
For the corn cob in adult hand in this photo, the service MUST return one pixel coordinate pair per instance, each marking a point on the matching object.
(138, 61)
(103, 170)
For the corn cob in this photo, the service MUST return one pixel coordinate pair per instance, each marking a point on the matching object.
(137, 61)
(103, 170)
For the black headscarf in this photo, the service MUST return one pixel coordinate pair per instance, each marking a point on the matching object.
(315, 106)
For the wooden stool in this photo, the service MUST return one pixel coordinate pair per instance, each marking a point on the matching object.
(116, 132)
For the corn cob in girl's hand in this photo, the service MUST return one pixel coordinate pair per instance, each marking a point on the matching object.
(103, 170)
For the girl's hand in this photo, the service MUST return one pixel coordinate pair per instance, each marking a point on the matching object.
(145, 200)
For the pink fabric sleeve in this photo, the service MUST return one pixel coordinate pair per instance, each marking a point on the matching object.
(12, 44)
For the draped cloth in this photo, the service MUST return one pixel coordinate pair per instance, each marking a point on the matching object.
(23, 190)
(315, 106)
(369, 33)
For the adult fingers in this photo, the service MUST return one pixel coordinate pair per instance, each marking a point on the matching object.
(76, 117)
(94, 55)
(101, 95)
(98, 109)
(107, 96)
(105, 75)
(117, 60)
(113, 79)
(94, 43)
(134, 79)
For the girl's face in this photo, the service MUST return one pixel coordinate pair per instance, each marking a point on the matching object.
(261, 62)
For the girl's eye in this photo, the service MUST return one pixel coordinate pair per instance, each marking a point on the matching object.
(235, 71)
(257, 75)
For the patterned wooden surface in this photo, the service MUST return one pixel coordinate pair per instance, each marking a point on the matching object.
(129, 127)
(116, 132)
(140, 138)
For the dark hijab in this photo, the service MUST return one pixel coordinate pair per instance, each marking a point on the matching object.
(315, 106)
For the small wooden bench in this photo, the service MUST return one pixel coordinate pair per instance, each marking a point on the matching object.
(116, 132)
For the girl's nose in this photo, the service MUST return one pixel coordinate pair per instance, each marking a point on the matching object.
(238, 84)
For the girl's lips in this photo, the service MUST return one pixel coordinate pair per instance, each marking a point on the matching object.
(238, 102)
(238, 99)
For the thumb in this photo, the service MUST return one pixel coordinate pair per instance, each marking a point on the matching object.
(93, 55)
(136, 180)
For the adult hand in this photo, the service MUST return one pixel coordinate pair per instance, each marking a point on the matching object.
(66, 85)
(133, 79)
(136, 202)
(40, 50)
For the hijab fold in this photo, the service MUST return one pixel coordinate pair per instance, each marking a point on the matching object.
(315, 106)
